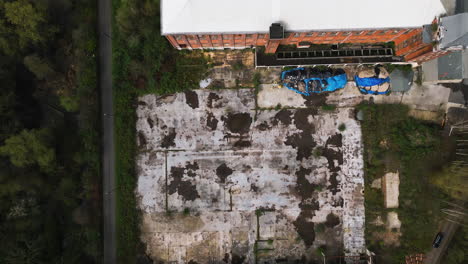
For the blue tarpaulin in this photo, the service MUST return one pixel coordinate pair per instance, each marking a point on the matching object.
(314, 81)
(371, 81)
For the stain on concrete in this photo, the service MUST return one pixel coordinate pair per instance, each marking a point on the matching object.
(335, 140)
(150, 122)
(211, 121)
(253, 187)
(332, 155)
(191, 98)
(303, 142)
(238, 123)
(246, 168)
(303, 223)
(168, 140)
(338, 203)
(184, 188)
(304, 188)
(283, 116)
(242, 144)
(333, 187)
(315, 100)
(141, 139)
(236, 259)
(191, 169)
(301, 119)
(226, 258)
(263, 126)
(332, 220)
(305, 228)
(212, 97)
(223, 171)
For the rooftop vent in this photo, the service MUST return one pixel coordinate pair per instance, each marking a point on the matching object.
(276, 31)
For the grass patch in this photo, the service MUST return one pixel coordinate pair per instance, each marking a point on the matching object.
(320, 228)
(143, 63)
(401, 67)
(186, 211)
(286, 68)
(342, 127)
(327, 107)
(238, 66)
(393, 141)
(256, 80)
(317, 152)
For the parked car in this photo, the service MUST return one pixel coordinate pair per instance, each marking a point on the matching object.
(308, 81)
(438, 240)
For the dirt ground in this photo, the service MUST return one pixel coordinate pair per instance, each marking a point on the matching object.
(219, 182)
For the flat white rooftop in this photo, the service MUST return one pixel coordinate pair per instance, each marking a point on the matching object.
(243, 16)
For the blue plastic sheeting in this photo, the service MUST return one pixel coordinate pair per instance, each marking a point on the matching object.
(371, 81)
(328, 84)
(336, 82)
(364, 91)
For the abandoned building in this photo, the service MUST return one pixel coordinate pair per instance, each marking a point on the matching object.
(357, 28)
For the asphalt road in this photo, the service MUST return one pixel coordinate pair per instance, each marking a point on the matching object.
(435, 255)
(108, 154)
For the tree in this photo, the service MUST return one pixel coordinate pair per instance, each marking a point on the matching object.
(70, 103)
(23, 23)
(40, 67)
(8, 119)
(30, 147)
(25, 250)
(26, 19)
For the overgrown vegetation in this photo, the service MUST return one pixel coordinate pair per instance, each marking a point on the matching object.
(256, 80)
(434, 27)
(327, 107)
(342, 127)
(49, 137)
(456, 252)
(393, 142)
(453, 180)
(402, 67)
(143, 63)
(317, 152)
(238, 66)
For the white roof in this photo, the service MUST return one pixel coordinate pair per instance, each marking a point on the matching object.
(236, 16)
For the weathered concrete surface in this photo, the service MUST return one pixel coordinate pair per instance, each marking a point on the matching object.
(428, 102)
(271, 95)
(219, 182)
(391, 191)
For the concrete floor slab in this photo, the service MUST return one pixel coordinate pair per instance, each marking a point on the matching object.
(219, 181)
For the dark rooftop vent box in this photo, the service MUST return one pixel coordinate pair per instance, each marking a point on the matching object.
(276, 31)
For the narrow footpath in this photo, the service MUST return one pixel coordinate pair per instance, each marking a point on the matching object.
(107, 119)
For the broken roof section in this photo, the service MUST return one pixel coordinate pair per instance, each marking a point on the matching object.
(244, 16)
(455, 31)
